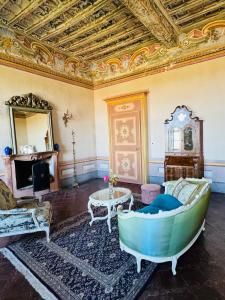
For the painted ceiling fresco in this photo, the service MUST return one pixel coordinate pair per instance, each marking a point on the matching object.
(97, 41)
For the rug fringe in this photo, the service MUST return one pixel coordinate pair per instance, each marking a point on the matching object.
(34, 282)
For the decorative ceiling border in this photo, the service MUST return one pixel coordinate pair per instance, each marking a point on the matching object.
(156, 58)
(198, 45)
(20, 65)
(161, 69)
(23, 53)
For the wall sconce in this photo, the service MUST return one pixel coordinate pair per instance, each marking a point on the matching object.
(66, 117)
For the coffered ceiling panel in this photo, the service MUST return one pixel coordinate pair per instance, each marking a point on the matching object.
(65, 24)
(93, 41)
(192, 14)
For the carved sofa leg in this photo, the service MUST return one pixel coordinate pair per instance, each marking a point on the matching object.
(174, 264)
(47, 235)
(138, 264)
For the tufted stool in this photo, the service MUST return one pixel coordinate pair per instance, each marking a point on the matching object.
(149, 192)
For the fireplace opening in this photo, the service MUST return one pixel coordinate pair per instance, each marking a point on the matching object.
(24, 176)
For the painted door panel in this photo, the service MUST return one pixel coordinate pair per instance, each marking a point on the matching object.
(126, 142)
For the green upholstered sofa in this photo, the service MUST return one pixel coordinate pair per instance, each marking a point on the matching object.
(167, 235)
(18, 217)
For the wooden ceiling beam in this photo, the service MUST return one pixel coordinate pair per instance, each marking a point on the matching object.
(200, 13)
(203, 22)
(90, 26)
(61, 8)
(120, 45)
(24, 12)
(3, 3)
(184, 7)
(121, 52)
(167, 15)
(101, 34)
(153, 19)
(109, 40)
(74, 20)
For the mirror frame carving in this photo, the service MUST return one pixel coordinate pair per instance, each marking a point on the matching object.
(32, 103)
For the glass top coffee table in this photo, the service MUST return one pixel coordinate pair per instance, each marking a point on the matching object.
(103, 198)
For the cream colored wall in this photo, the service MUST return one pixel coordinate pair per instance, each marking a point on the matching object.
(201, 87)
(62, 96)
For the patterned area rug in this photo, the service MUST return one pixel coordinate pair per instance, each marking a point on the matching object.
(80, 262)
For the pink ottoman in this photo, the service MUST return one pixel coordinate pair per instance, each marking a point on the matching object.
(149, 192)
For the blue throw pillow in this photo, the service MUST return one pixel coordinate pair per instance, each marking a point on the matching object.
(150, 209)
(164, 202)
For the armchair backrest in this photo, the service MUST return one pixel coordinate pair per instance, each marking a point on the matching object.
(7, 200)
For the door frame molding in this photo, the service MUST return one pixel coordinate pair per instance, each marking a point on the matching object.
(142, 97)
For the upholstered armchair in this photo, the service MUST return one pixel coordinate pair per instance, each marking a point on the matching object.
(165, 235)
(17, 217)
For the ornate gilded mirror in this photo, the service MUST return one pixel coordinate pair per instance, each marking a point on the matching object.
(31, 124)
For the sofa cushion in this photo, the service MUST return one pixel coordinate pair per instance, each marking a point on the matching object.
(23, 221)
(183, 190)
(164, 202)
(7, 200)
(198, 190)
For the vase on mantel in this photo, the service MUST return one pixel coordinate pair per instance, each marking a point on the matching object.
(110, 190)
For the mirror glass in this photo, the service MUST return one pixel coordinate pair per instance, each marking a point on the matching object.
(33, 132)
(188, 139)
(176, 139)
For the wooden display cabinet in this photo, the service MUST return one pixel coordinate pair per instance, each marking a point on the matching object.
(184, 145)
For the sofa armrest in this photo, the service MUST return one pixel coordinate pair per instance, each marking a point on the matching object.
(16, 211)
(21, 201)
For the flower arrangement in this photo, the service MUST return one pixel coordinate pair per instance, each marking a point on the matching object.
(111, 179)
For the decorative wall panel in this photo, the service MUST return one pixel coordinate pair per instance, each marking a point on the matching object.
(127, 124)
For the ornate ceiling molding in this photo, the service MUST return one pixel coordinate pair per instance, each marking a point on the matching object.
(152, 18)
(23, 51)
(192, 47)
(87, 12)
(92, 42)
(109, 31)
(28, 9)
(54, 13)
(91, 26)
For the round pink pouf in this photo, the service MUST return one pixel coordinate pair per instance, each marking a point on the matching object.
(149, 192)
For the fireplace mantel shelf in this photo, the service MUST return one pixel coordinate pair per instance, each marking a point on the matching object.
(31, 156)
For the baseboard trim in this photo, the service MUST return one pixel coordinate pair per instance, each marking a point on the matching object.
(66, 182)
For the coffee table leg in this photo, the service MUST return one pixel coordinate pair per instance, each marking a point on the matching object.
(131, 201)
(91, 212)
(109, 217)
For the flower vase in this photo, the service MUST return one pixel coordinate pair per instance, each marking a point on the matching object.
(110, 189)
